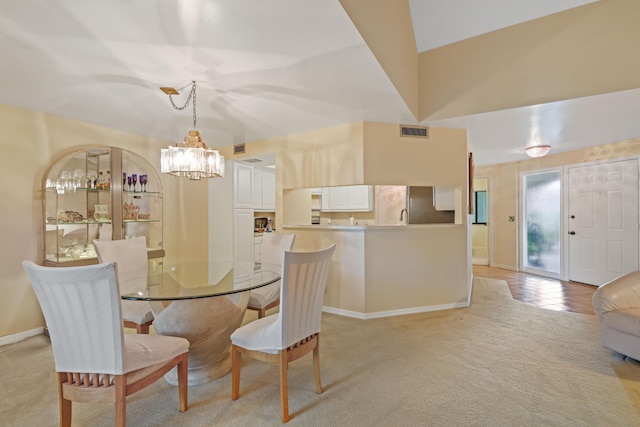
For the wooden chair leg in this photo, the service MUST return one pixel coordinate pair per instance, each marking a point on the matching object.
(141, 328)
(183, 383)
(284, 391)
(316, 365)
(235, 372)
(64, 405)
(121, 401)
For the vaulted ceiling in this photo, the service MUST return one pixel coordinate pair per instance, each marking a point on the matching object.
(277, 67)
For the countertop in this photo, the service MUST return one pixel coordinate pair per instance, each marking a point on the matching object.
(369, 227)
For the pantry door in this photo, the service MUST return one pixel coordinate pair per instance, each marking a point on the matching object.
(603, 221)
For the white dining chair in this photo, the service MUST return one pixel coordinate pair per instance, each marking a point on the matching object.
(273, 247)
(293, 332)
(95, 360)
(130, 256)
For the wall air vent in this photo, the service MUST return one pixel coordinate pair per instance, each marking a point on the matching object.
(414, 131)
(239, 149)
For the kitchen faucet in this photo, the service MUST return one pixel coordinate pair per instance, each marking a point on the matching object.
(404, 212)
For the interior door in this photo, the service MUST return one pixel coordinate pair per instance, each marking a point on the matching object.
(603, 221)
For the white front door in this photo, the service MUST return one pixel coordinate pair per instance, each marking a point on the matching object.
(603, 221)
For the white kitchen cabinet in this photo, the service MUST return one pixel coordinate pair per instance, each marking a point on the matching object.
(257, 253)
(253, 188)
(268, 191)
(444, 198)
(243, 243)
(242, 186)
(257, 189)
(335, 199)
(351, 198)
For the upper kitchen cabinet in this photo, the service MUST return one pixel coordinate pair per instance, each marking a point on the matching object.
(254, 188)
(243, 197)
(444, 198)
(268, 190)
(264, 190)
(351, 198)
(103, 193)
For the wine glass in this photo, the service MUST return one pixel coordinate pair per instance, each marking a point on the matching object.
(143, 182)
(134, 179)
(129, 183)
(124, 179)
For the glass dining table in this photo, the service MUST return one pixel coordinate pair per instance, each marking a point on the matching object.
(203, 302)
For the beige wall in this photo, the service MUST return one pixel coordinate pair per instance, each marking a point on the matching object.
(416, 268)
(319, 158)
(390, 159)
(387, 28)
(562, 56)
(480, 232)
(32, 142)
(504, 191)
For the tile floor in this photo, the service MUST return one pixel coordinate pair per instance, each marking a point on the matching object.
(547, 293)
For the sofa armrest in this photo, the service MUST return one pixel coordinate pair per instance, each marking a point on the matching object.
(619, 294)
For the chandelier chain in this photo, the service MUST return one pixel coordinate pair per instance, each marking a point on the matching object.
(192, 94)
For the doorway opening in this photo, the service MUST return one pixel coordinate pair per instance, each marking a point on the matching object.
(480, 222)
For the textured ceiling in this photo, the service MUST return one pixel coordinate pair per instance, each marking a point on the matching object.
(263, 69)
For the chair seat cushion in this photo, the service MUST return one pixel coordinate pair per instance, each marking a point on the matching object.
(262, 297)
(627, 321)
(262, 335)
(136, 311)
(142, 350)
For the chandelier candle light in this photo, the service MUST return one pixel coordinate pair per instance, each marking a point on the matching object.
(190, 157)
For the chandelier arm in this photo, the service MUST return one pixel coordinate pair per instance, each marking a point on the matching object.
(192, 93)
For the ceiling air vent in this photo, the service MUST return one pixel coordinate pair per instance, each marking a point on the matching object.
(414, 131)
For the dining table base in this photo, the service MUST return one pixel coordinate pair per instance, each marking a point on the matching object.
(207, 323)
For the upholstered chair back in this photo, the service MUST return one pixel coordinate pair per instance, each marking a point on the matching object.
(274, 246)
(81, 306)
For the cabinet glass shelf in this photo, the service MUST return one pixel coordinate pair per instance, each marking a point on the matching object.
(76, 213)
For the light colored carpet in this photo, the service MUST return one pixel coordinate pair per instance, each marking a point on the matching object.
(497, 363)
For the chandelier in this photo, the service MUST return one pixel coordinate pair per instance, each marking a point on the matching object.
(190, 157)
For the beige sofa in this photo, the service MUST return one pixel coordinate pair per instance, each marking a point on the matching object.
(617, 305)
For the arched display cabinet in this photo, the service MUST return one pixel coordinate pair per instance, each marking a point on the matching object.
(80, 208)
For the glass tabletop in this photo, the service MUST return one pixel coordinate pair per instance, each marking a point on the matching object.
(169, 282)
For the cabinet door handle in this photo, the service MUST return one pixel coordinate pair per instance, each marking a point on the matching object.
(572, 232)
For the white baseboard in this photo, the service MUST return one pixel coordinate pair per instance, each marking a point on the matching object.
(20, 336)
(391, 313)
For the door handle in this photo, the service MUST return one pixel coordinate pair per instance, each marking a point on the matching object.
(572, 232)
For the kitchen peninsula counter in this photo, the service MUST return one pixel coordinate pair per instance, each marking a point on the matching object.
(356, 227)
(388, 270)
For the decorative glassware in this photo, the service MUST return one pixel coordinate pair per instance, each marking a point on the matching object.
(134, 179)
(129, 183)
(143, 182)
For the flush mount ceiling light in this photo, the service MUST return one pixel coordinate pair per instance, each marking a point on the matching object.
(190, 157)
(537, 150)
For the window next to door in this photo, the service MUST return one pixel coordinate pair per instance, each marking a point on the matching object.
(479, 207)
